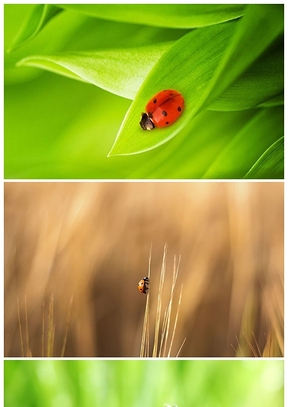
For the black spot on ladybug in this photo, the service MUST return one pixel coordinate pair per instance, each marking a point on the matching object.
(179, 109)
(164, 113)
(167, 123)
(155, 101)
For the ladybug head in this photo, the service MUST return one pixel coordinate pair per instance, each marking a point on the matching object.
(146, 122)
(143, 285)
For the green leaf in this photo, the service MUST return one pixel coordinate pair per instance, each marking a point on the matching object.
(276, 101)
(270, 164)
(248, 144)
(119, 71)
(163, 15)
(39, 17)
(262, 82)
(195, 66)
(194, 149)
(123, 71)
(259, 27)
(187, 67)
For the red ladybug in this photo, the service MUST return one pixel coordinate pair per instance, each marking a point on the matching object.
(143, 285)
(162, 110)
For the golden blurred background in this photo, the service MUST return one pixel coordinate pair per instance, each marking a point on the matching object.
(90, 241)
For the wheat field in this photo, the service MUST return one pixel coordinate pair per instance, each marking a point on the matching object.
(75, 251)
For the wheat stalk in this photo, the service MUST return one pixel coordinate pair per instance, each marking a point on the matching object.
(161, 346)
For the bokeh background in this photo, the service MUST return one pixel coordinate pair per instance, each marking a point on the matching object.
(151, 383)
(91, 242)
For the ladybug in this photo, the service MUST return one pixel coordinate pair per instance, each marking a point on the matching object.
(143, 285)
(162, 110)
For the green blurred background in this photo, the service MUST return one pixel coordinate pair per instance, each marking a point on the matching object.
(113, 383)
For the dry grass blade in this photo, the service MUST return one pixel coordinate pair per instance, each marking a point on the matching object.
(51, 328)
(25, 348)
(28, 351)
(167, 318)
(182, 344)
(43, 330)
(272, 346)
(162, 332)
(254, 348)
(67, 326)
(175, 325)
(47, 349)
(275, 339)
(159, 303)
(144, 350)
(248, 345)
(20, 328)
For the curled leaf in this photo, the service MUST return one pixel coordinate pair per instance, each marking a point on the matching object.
(119, 71)
(168, 15)
(39, 17)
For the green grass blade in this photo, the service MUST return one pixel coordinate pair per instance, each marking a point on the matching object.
(163, 15)
(270, 164)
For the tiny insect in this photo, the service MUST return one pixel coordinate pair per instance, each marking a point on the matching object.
(162, 110)
(143, 285)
